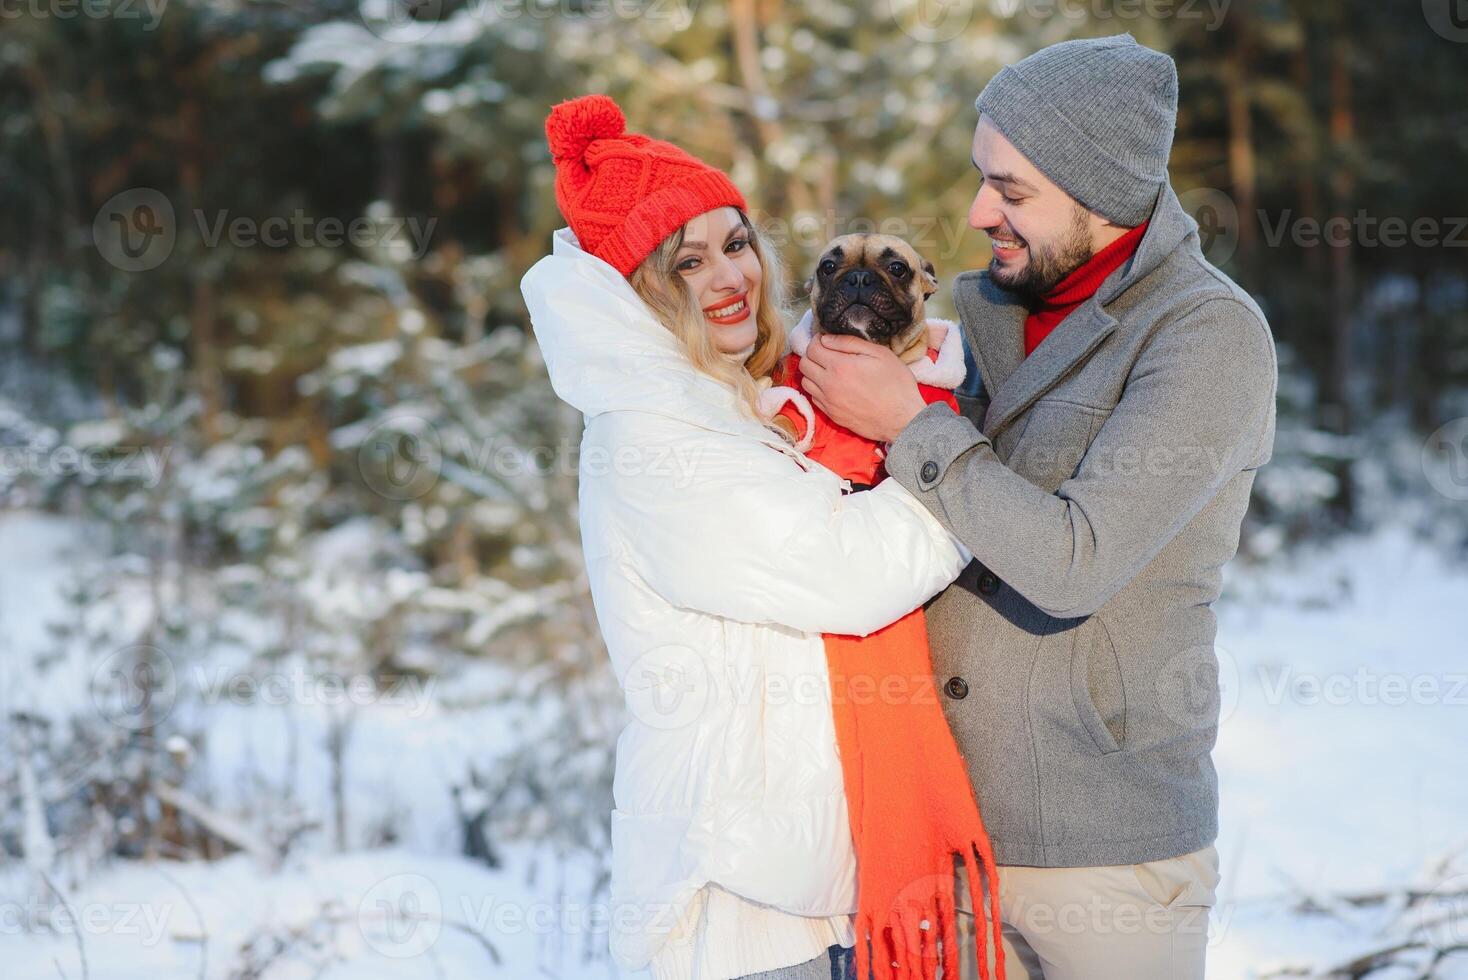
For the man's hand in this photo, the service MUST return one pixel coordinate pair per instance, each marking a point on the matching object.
(861, 385)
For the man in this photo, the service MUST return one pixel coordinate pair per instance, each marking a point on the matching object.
(1099, 474)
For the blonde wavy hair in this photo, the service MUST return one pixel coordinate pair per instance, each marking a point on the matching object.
(657, 281)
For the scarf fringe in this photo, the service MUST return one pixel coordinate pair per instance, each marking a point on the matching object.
(903, 950)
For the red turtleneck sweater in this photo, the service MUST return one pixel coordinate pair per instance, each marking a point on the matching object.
(1078, 287)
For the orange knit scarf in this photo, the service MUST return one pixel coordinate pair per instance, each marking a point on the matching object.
(911, 805)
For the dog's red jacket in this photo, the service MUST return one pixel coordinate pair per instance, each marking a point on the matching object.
(836, 447)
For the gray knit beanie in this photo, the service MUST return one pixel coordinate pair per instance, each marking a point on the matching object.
(1096, 116)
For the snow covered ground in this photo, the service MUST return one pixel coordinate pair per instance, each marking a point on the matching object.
(1341, 758)
(1343, 753)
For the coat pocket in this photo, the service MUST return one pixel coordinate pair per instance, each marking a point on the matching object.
(1055, 438)
(1096, 686)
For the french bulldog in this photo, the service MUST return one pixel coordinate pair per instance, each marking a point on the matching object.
(874, 287)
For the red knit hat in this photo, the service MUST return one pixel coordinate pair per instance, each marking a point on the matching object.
(622, 193)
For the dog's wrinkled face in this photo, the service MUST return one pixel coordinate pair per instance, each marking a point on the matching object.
(873, 287)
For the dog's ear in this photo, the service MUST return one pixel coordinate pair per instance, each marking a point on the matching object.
(930, 279)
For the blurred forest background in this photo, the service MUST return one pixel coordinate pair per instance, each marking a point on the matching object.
(262, 338)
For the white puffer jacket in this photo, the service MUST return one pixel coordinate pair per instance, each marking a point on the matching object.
(717, 556)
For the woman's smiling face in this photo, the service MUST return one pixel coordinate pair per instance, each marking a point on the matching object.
(718, 264)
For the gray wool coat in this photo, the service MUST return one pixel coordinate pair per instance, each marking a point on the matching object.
(1100, 484)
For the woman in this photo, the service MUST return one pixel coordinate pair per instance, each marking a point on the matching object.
(717, 555)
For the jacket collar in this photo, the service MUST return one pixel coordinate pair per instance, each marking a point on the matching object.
(605, 351)
(946, 372)
(994, 319)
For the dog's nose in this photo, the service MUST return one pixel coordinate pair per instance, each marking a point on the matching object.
(860, 278)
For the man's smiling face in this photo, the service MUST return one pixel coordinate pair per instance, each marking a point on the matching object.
(1039, 232)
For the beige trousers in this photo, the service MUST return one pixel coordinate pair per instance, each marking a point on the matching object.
(1123, 922)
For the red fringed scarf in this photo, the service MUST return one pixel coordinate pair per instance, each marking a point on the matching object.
(911, 805)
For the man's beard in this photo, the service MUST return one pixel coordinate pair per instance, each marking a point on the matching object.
(1049, 265)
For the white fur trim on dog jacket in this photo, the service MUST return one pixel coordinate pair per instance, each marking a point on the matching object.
(945, 372)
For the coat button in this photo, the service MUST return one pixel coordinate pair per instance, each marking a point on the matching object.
(988, 582)
(957, 688)
(930, 471)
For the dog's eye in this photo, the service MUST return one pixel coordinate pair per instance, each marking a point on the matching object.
(827, 267)
(899, 269)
